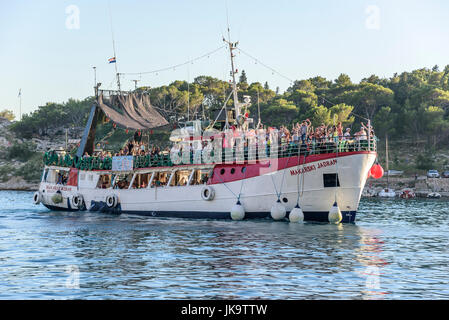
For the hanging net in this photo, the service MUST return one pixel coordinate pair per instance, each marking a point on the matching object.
(130, 110)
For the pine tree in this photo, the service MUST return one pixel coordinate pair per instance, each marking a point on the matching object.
(265, 86)
(243, 78)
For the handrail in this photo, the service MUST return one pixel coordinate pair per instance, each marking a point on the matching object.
(282, 150)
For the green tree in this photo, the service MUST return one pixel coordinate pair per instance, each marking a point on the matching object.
(279, 112)
(7, 114)
(319, 115)
(342, 113)
(384, 122)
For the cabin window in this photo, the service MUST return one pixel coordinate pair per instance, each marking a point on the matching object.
(122, 181)
(105, 181)
(62, 177)
(160, 179)
(331, 180)
(181, 178)
(141, 180)
(200, 177)
(82, 176)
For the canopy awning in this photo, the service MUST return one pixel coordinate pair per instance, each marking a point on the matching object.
(131, 110)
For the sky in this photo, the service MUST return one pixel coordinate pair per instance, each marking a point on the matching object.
(48, 48)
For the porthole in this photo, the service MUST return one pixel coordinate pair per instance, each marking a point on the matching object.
(222, 171)
(243, 169)
(285, 200)
(232, 170)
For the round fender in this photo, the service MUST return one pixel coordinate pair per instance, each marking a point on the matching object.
(111, 200)
(77, 200)
(207, 193)
(36, 197)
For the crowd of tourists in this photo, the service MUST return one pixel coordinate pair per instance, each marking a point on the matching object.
(301, 134)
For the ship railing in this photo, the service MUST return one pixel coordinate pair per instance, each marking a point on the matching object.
(281, 150)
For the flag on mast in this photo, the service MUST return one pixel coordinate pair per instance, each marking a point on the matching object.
(112, 60)
(20, 93)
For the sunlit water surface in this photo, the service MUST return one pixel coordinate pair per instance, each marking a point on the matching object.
(398, 249)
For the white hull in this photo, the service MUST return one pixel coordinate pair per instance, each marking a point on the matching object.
(257, 194)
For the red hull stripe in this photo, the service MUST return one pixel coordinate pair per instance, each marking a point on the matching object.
(224, 173)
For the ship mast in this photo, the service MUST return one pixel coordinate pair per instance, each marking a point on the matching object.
(232, 46)
(113, 48)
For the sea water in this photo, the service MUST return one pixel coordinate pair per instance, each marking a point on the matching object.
(397, 249)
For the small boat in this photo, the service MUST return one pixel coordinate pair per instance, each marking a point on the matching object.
(368, 193)
(407, 193)
(434, 195)
(387, 193)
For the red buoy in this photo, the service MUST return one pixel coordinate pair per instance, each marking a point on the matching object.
(377, 171)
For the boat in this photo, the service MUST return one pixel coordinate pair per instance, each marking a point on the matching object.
(368, 193)
(209, 172)
(434, 195)
(387, 192)
(407, 193)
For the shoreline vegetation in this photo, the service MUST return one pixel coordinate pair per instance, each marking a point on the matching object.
(412, 108)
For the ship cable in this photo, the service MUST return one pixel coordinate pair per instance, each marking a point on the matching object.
(175, 66)
(224, 183)
(241, 187)
(278, 211)
(335, 215)
(224, 106)
(297, 215)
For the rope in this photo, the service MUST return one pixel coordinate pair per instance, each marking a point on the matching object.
(285, 77)
(266, 66)
(175, 66)
(336, 175)
(224, 183)
(297, 180)
(243, 181)
(282, 181)
(224, 106)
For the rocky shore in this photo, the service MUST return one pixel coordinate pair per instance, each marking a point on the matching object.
(421, 185)
(18, 183)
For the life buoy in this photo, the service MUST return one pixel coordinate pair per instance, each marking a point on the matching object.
(207, 193)
(77, 200)
(111, 200)
(36, 197)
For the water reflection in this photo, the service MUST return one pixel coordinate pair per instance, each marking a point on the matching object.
(388, 254)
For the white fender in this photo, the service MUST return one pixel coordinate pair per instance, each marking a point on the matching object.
(278, 211)
(237, 211)
(296, 215)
